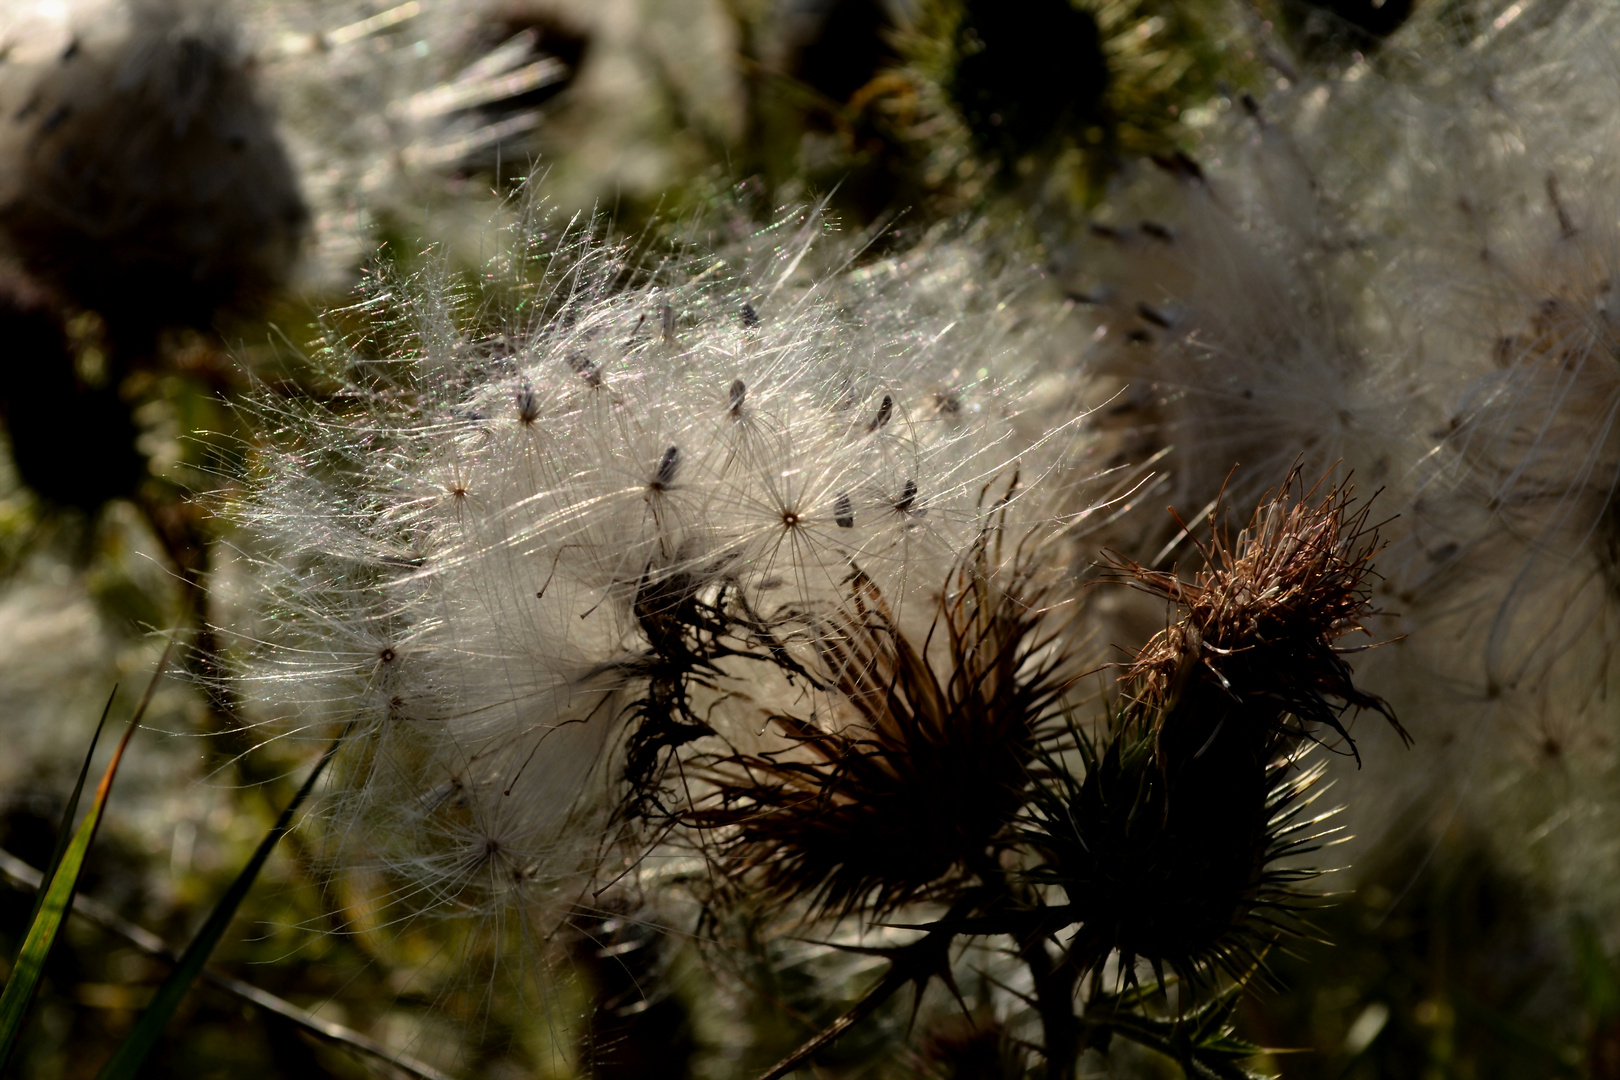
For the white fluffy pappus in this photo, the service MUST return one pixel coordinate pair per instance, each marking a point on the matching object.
(1226, 298)
(531, 506)
(1508, 581)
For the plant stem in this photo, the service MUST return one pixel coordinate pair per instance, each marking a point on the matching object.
(1054, 1000)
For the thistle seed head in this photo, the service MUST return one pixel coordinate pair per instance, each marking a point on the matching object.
(1167, 842)
(533, 554)
(902, 788)
(1197, 874)
(1255, 644)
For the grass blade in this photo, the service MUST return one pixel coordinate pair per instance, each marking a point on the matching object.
(126, 1061)
(65, 831)
(57, 897)
(23, 876)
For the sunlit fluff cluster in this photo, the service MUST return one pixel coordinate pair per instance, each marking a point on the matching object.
(1510, 586)
(1521, 328)
(1222, 296)
(516, 548)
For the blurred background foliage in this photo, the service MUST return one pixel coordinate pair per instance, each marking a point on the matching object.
(128, 335)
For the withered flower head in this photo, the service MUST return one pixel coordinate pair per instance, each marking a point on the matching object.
(929, 763)
(1256, 642)
(1167, 844)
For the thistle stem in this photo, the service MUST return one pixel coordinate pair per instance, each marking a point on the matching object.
(894, 980)
(1054, 1000)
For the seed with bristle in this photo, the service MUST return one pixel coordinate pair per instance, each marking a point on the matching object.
(885, 410)
(528, 405)
(1157, 231)
(1154, 315)
(668, 466)
(586, 369)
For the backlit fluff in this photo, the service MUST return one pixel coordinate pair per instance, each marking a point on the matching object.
(536, 521)
(1508, 582)
(1224, 297)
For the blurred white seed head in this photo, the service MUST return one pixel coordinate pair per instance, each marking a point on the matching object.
(1508, 581)
(163, 159)
(141, 172)
(385, 110)
(1224, 298)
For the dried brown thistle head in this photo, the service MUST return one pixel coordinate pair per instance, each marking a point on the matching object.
(1176, 844)
(931, 756)
(1256, 642)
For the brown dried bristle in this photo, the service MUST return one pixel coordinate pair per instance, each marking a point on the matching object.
(1260, 624)
(903, 800)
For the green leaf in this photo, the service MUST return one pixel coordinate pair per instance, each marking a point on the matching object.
(65, 830)
(55, 898)
(126, 1060)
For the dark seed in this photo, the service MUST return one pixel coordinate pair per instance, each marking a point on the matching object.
(1566, 225)
(843, 512)
(1154, 315)
(54, 121)
(528, 405)
(739, 391)
(591, 373)
(668, 466)
(885, 410)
